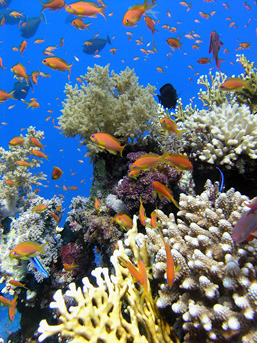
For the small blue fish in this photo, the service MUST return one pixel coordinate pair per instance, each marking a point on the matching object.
(21, 89)
(94, 45)
(221, 179)
(39, 267)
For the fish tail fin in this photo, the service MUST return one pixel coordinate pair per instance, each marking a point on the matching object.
(102, 11)
(218, 63)
(108, 40)
(41, 248)
(43, 17)
(69, 67)
(175, 202)
(179, 133)
(248, 86)
(121, 150)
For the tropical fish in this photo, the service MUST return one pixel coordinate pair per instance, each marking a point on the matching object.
(56, 63)
(79, 24)
(37, 143)
(38, 266)
(1, 64)
(163, 191)
(38, 153)
(56, 173)
(221, 186)
(29, 26)
(174, 43)
(147, 161)
(10, 183)
(169, 260)
(134, 14)
(23, 163)
(5, 96)
(6, 16)
(28, 249)
(108, 142)
(17, 284)
(70, 267)
(53, 5)
(20, 71)
(181, 162)
(22, 46)
(123, 220)
(215, 45)
(168, 97)
(203, 60)
(171, 126)
(39, 208)
(97, 204)
(134, 173)
(94, 45)
(246, 224)
(235, 84)
(85, 9)
(150, 24)
(142, 216)
(11, 305)
(16, 141)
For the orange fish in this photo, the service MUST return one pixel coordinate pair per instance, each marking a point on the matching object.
(11, 305)
(38, 153)
(70, 267)
(23, 163)
(108, 142)
(97, 204)
(10, 183)
(235, 84)
(134, 14)
(147, 161)
(123, 220)
(25, 250)
(170, 263)
(150, 24)
(16, 141)
(154, 217)
(181, 162)
(33, 103)
(142, 216)
(35, 75)
(20, 71)
(79, 24)
(85, 9)
(37, 143)
(22, 46)
(174, 43)
(171, 126)
(17, 284)
(204, 60)
(53, 5)
(56, 63)
(1, 64)
(56, 173)
(56, 218)
(163, 191)
(4, 301)
(39, 208)
(73, 188)
(5, 96)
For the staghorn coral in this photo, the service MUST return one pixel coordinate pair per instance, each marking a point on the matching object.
(214, 291)
(116, 105)
(112, 311)
(31, 226)
(23, 178)
(228, 133)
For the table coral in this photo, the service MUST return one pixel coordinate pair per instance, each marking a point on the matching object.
(214, 291)
(23, 177)
(112, 311)
(117, 105)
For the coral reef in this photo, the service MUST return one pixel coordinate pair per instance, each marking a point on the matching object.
(12, 197)
(116, 105)
(114, 310)
(214, 291)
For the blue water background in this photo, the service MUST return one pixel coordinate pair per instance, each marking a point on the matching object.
(49, 91)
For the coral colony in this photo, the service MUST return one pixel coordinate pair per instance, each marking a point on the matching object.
(177, 264)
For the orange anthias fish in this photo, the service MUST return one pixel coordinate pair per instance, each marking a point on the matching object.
(11, 305)
(17, 284)
(142, 216)
(37, 143)
(85, 9)
(150, 24)
(20, 71)
(181, 162)
(56, 63)
(214, 47)
(5, 96)
(171, 126)
(16, 141)
(97, 205)
(123, 220)
(79, 24)
(235, 84)
(70, 267)
(39, 208)
(23, 163)
(147, 161)
(163, 191)
(22, 46)
(108, 142)
(26, 250)
(174, 43)
(203, 60)
(134, 14)
(38, 153)
(53, 5)
(170, 263)
(56, 173)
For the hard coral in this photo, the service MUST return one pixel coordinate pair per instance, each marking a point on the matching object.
(116, 105)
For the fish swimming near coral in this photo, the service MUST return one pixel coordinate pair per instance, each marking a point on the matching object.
(28, 249)
(134, 14)
(38, 266)
(29, 26)
(215, 45)
(246, 224)
(168, 97)
(235, 84)
(108, 142)
(94, 45)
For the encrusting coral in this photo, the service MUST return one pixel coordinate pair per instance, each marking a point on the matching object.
(112, 311)
(12, 196)
(116, 105)
(214, 291)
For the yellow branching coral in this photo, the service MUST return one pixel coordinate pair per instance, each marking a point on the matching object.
(117, 105)
(114, 311)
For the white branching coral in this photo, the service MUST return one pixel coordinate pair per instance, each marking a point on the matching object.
(112, 311)
(232, 133)
(215, 290)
